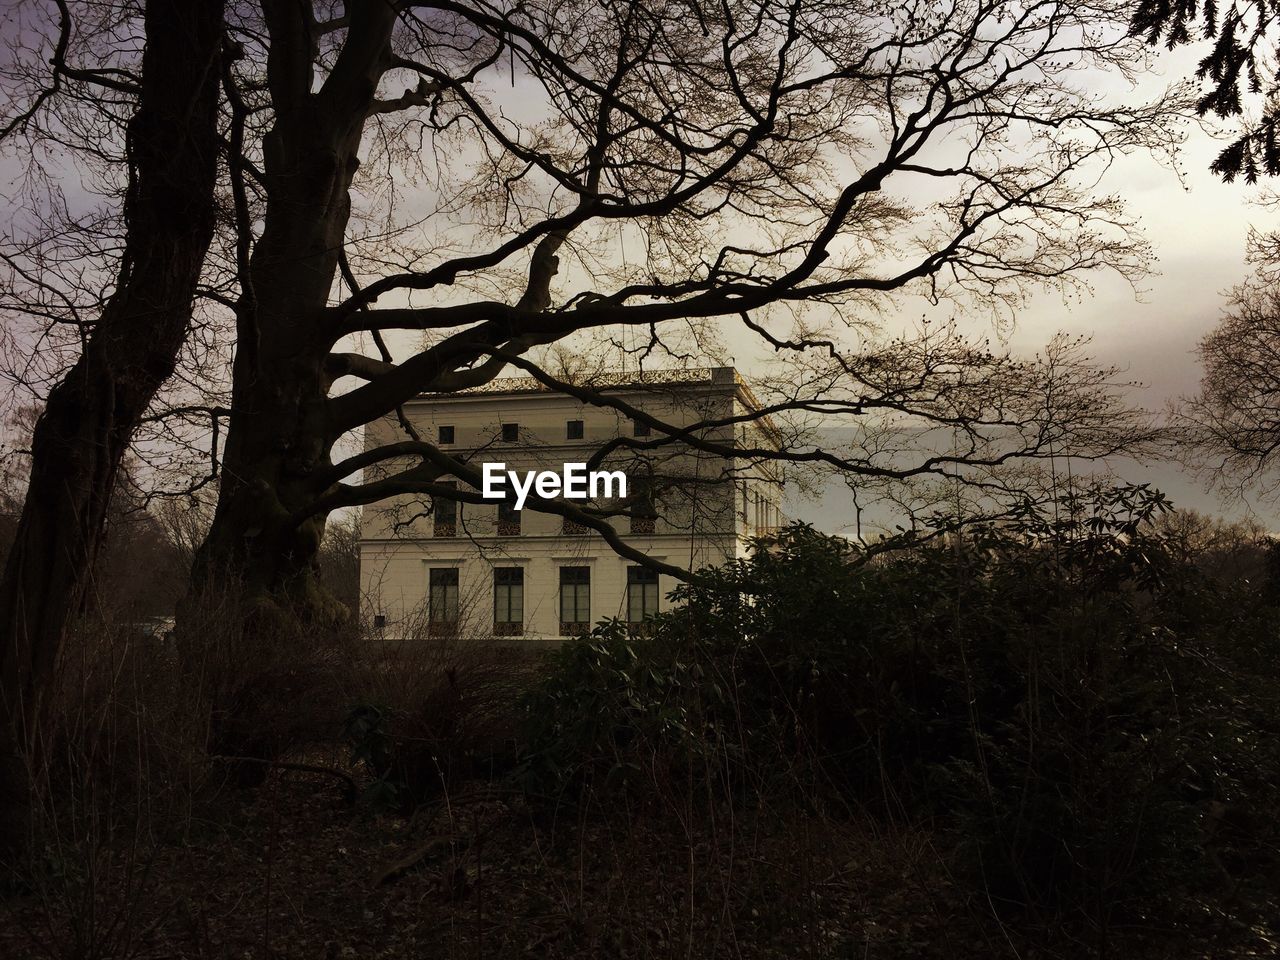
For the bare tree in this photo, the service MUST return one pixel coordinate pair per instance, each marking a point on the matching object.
(1232, 426)
(340, 559)
(15, 453)
(129, 339)
(185, 521)
(1232, 551)
(663, 178)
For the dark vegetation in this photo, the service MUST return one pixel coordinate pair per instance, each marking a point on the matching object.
(1075, 705)
(1236, 74)
(1047, 737)
(1054, 737)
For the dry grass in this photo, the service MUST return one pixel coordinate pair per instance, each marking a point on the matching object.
(291, 872)
(288, 870)
(146, 849)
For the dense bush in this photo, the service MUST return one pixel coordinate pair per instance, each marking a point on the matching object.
(1074, 698)
(428, 716)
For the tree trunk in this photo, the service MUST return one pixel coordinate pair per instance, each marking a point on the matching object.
(260, 560)
(91, 415)
(280, 436)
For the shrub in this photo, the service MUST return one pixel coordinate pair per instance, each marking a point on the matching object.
(1067, 695)
(613, 705)
(428, 714)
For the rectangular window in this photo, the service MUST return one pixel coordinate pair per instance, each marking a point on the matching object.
(445, 512)
(442, 602)
(379, 622)
(508, 520)
(642, 594)
(639, 429)
(575, 600)
(446, 434)
(508, 601)
(573, 430)
(511, 432)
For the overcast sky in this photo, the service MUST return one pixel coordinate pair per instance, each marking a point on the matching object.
(1198, 227)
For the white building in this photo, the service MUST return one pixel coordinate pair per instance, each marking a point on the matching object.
(443, 567)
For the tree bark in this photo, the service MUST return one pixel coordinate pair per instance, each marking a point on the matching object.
(280, 432)
(90, 417)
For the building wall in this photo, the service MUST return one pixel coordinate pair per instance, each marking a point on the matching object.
(395, 578)
(704, 514)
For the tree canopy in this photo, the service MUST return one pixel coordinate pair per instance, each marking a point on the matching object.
(417, 197)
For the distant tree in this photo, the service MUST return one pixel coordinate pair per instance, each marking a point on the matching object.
(1233, 423)
(185, 522)
(15, 454)
(340, 559)
(139, 574)
(1230, 551)
(658, 181)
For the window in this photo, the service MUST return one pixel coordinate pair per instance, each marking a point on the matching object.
(508, 601)
(575, 600)
(446, 434)
(379, 622)
(445, 511)
(511, 432)
(643, 514)
(639, 429)
(442, 601)
(765, 515)
(508, 520)
(642, 594)
(573, 430)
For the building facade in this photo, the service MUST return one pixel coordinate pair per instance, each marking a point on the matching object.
(443, 567)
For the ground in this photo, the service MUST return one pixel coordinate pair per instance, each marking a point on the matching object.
(291, 869)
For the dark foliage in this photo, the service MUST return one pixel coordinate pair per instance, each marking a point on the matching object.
(1073, 700)
(1243, 48)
